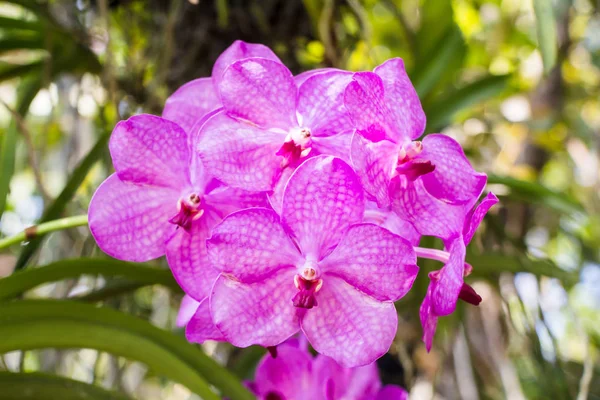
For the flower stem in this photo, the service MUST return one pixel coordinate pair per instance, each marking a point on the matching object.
(41, 229)
(433, 254)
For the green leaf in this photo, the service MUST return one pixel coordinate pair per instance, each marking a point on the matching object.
(21, 42)
(546, 32)
(55, 209)
(535, 193)
(26, 92)
(489, 265)
(11, 71)
(39, 324)
(19, 24)
(440, 113)
(22, 281)
(430, 72)
(35, 386)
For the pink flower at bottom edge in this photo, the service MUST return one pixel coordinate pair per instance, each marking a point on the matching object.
(295, 375)
(315, 268)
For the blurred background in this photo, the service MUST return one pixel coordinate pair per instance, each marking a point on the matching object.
(517, 83)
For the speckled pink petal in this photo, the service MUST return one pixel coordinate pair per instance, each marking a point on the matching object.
(454, 180)
(392, 392)
(392, 222)
(240, 154)
(451, 278)
(252, 244)
(321, 103)
(201, 327)
(187, 309)
(374, 261)
(150, 150)
(374, 163)
(191, 102)
(261, 91)
(361, 383)
(320, 202)
(430, 216)
(238, 51)
(335, 145)
(364, 99)
(224, 200)
(131, 222)
(402, 99)
(302, 77)
(427, 316)
(349, 326)
(289, 374)
(276, 196)
(257, 313)
(188, 258)
(476, 216)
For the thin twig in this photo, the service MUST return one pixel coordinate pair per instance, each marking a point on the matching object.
(410, 35)
(42, 229)
(22, 127)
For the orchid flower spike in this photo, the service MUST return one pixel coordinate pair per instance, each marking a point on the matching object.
(160, 200)
(269, 125)
(388, 117)
(314, 268)
(296, 375)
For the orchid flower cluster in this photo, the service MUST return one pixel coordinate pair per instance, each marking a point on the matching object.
(293, 203)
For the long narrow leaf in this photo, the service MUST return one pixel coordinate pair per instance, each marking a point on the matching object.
(27, 91)
(546, 32)
(36, 386)
(440, 113)
(21, 281)
(56, 208)
(28, 325)
(19, 24)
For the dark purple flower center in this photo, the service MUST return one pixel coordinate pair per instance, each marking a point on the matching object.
(410, 165)
(469, 295)
(296, 146)
(189, 209)
(307, 288)
(274, 396)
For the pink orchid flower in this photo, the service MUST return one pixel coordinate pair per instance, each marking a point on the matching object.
(455, 224)
(197, 98)
(315, 268)
(388, 117)
(269, 125)
(295, 375)
(160, 200)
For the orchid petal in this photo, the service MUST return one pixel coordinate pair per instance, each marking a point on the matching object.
(392, 392)
(476, 216)
(224, 200)
(276, 196)
(445, 294)
(337, 145)
(201, 327)
(239, 50)
(320, 202)
(240, 154)
(131, 222)
(402, 99)
(150, 150)
(349, 326)
(454, 180)
(374, 162)
(374, 261)
(251, 244)
(187, 309)
(188, 259)
(303, 76)
(289, 374)
(191, 102)
(365, 102)
(427, 315)
(261, 91)
(256, 313)
(361, 383)
(321, 103)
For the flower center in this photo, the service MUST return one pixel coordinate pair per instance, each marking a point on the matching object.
(296, 146)
(189, 209)
(308, 283)
(469, 295)
(409, 164)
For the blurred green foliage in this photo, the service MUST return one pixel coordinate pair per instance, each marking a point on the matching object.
(516, 82)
